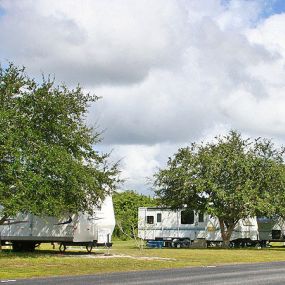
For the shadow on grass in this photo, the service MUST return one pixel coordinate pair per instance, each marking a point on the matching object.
(274, 248)
(46, 253)
(38, 253)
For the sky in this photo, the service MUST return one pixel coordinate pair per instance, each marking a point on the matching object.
(169, 72)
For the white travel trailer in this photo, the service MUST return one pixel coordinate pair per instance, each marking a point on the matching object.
(244, 233)
(26, 231)
(181, 228)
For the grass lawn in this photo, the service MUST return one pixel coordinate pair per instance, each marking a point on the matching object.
(124, 257)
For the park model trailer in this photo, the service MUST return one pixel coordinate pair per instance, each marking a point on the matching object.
(181, 228)
(26, 231)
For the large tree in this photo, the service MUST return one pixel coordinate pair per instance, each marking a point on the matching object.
(126, 206)
(231, 178)
(48, 165)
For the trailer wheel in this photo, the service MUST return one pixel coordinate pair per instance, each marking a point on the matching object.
(181, 243)
(62, 247)
(175, 242)
(89, 248)
(186, 243)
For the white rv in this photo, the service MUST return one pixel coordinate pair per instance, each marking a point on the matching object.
(181, 228)
(26, 231)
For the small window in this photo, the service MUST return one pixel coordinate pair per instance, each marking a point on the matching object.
(158, 218)
(201, 218)
(187, 217)
(149, 219)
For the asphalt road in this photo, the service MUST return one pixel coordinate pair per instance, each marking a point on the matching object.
(260, 273)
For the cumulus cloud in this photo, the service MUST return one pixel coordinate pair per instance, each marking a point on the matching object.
(93, 42)
(140, 162)
(170, 72)
(161, 109)
(177, 105)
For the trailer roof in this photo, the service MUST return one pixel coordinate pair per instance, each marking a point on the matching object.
(158, 208)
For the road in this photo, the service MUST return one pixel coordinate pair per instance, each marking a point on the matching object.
(261, 273)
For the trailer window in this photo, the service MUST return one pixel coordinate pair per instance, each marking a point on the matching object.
(187, 217)
(201, 218)
(149, 219)
(158, 218)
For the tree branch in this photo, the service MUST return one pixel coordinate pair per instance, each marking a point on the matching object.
(3, 220)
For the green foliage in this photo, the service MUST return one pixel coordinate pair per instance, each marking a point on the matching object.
(47, 162)
(126, 206)
(231, 178)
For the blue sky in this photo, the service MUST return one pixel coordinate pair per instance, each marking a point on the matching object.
(2, 11)
(274, 7)
(278, 6)
(271, 7)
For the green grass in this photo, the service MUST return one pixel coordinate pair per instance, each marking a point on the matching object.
(48, 262)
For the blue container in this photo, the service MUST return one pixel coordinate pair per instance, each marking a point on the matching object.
(154, 244)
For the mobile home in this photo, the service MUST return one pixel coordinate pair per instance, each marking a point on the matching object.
(26, 231)
(181, 228)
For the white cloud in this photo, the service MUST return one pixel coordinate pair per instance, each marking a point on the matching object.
(94, 42)
(169, 72)
(177, 105)
(163, 108)
(264, 116)
(139, 162)
(270, 34)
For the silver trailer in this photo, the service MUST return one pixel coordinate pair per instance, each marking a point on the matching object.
(26, 231)
(182, 228)
(271, 229)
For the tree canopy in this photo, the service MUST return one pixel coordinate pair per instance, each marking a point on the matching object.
(231, 178)
(126, 206)
(48, 165)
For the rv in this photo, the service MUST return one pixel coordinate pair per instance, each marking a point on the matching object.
(26, 231)
(182, 228)
(271, 229)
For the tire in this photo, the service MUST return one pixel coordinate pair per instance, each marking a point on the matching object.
(186, 243)
(89, 248)
(174, 242)
(62, 247)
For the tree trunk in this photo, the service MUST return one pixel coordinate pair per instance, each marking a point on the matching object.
(226, 231)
